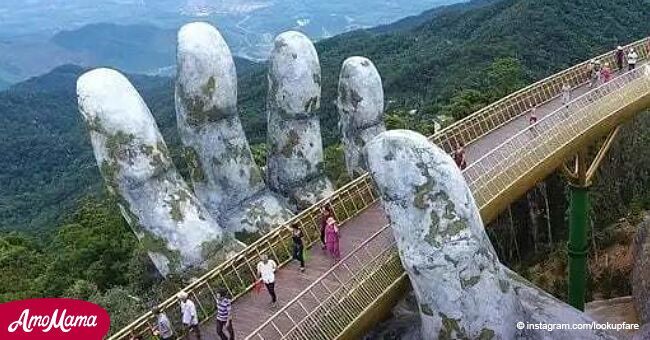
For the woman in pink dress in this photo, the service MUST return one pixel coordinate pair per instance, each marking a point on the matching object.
(332, 238)
(606, 73)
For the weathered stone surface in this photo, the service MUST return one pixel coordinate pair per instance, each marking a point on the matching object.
(165, 215)
(361, 109)
(643, 333)
(641, 270)
(294, 166)
(462, 289)
(224, 174)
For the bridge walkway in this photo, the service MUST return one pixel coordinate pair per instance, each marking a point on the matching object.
(253, 309)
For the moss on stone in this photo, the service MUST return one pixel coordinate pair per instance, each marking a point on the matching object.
(422, 194)
(176, 207)
(311, 104)
(153, 243)
(426, 309)
(199, 110)
(95, 124)
(431, 237)
(450, 210)
(293, 139)
(486, 334)
(194, 165)
(467, 283)
(208, 88)
(109, 171)
(450, 329)
(116, 143)
(454, 228)
(356, 99)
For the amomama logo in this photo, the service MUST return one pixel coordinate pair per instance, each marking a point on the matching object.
(52, 319)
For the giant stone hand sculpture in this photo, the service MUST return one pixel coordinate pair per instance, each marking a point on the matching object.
(225, 176)
(175, 228)
(361, 109)
(463, 291)
(181, 228)
(295, 157)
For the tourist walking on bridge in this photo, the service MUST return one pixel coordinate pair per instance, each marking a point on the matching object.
(566, 94)
(224, 315)
(632, 58)
(532, 115)
(189, 317)
(332, 237)
(594, 76)
(298, 246)
(620, 57)
(266, 271)
(459, 156)
(326, 212)
(163, 328)
(606, 73)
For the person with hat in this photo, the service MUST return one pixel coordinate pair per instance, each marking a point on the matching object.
(632, 58)
(620, 56)
(332, 238)
(594, 73)
(189, 316)
(163, 328)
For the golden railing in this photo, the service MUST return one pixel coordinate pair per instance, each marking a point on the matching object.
(323, 311)
(501, 112)
(309, 315)
(535, 151)
(237, 273)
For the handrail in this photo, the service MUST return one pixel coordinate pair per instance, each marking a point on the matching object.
(466, 130)
(237, 274)
(342, 265)
(588, 110)
(528, 149)
(471, 128)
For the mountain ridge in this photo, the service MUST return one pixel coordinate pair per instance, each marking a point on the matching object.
(451, 65)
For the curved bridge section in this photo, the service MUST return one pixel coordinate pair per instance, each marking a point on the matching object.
(507, 157)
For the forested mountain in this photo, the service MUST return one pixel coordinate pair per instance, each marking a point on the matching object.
(467, 55)
(449, 61)
(46, 163)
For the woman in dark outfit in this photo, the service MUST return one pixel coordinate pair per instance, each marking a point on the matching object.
(298, 247)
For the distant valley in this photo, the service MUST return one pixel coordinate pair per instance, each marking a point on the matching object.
(40, 35)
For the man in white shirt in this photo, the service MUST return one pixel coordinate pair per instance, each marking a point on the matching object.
(188, 314)
(266, 270)
(632, 58)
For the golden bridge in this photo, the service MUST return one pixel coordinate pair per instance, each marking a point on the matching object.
(506, 158)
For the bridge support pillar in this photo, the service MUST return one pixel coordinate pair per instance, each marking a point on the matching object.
(578, 246)
(580, 178)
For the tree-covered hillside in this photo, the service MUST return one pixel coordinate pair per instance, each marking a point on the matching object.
(448, 62)
(442, 66)
(46, 163)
